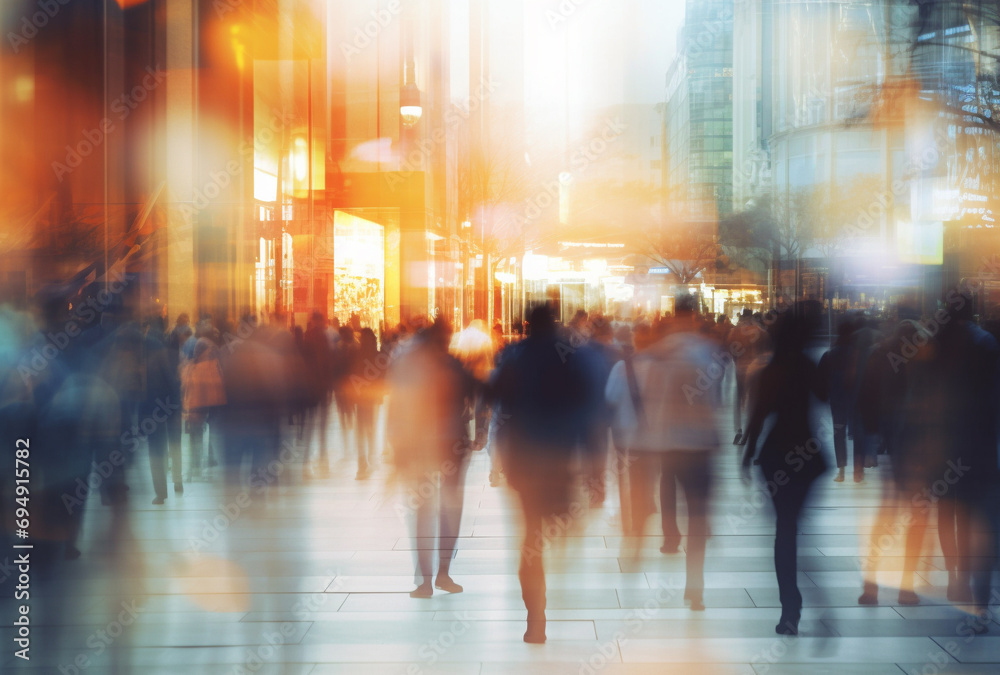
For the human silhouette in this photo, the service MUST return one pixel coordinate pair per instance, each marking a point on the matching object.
(429, 392)
(968, 358)
(541, 392)
(367, 387)
(906, 401)
(790, 458)
(675, 408)
(837, 369)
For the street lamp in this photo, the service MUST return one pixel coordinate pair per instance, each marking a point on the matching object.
(409, 96)
(409, 104)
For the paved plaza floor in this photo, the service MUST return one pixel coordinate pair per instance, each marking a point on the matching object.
(312, 577)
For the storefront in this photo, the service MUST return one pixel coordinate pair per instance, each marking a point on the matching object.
(358, 270)
(594, 285)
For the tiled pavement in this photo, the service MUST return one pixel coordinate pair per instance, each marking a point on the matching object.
(313, 579)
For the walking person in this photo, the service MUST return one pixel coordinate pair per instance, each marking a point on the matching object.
(837, 368)
(598, 356)
(429, 393)
(342, 362)
(175, 423)
(969, 359)
(316, 385)
(790, 458)
(541, 395)
(204, 396)
(676, 433)
(742, 338)
(500, 344)
(156, 407)
(367, 386)
(914, 404)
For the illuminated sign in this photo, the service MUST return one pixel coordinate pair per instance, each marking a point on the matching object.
(588, 244)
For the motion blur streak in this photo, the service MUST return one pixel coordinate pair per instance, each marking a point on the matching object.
(409, 336)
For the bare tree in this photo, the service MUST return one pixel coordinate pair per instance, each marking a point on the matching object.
(941, 54)
(640, 213)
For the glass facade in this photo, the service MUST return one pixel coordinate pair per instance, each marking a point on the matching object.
(699, 113)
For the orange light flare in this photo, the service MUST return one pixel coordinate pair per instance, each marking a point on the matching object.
(238, 42)
(126, 4)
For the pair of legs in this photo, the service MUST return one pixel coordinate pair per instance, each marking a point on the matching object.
(491, 446)
(899, 517)
(482, 417)
(366, 437)
(531, 569)
(198, 421)
(345, 414)
(165, 438)
(595, 462)
(788, 501)
(643, 470)
(967, 528)
(740, 371)
(317, 418)
(158, 441)
(953, 531)
(542, 482)
(841, 418)
(443, 504)
(692, 470)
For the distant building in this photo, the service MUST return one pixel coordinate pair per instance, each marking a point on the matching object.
(698, 114)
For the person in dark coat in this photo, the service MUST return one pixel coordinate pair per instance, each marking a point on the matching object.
(790, 458)
(968, 367)
(315, 387)
(598, 356)
(175, 426)
(367, 386)
(160, 404)
(837, 368)
(542, 394)
(344, 357)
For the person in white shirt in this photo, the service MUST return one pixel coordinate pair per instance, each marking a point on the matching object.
(665, 400)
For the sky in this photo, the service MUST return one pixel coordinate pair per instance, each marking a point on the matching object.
(607, 38)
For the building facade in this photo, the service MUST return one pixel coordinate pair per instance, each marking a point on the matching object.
(698, 114)
(239, 157)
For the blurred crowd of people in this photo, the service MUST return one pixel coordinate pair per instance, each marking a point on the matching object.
(567, 413)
